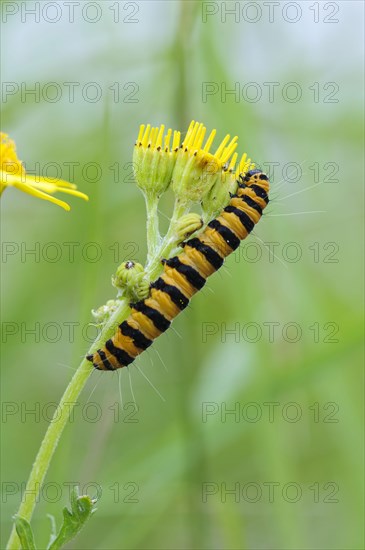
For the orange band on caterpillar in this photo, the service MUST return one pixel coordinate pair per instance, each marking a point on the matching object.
(186, 274)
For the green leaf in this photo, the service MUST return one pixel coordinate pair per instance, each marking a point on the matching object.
(81, 509)
(25, 533)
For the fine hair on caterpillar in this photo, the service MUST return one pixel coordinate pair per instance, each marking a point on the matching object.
(186, 273)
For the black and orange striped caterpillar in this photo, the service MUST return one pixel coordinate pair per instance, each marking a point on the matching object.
(185, 274)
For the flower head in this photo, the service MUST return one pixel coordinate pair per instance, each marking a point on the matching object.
(196, 169)
(153, 159)
(13, 174)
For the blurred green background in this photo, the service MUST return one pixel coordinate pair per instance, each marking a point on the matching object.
(293, 449)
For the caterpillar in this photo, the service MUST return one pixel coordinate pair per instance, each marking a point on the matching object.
(185, 274)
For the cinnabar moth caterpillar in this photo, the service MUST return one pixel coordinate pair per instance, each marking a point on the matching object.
(185, 274)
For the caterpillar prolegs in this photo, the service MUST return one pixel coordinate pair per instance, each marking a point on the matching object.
(185, 274)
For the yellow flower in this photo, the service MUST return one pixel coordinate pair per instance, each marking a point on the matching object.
(13, 174)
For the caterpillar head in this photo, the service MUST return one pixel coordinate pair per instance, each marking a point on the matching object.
(255, 177)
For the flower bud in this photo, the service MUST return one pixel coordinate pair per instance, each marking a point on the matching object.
(130, 280)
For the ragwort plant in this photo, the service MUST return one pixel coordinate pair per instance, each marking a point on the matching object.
(231, 196)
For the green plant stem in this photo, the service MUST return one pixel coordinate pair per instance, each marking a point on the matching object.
(58, 423)
(153, 234)
(169, 242)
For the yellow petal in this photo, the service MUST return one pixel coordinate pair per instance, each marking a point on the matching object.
(47, 184)
(233, 162)
(40, 195)
(222, 146)
(167, 139)
(140, 134)
(55, 187)
(228, 151)
(210, 141)
(42, 184)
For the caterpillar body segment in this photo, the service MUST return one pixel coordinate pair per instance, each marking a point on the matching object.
(185, 274)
